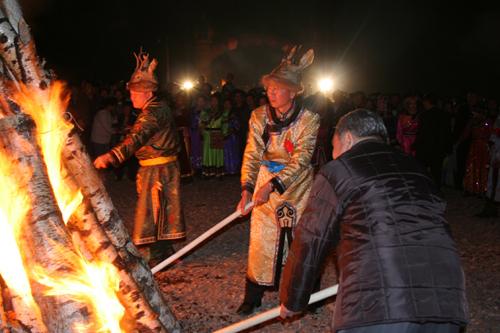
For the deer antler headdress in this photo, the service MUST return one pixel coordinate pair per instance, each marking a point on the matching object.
(143, 78)
(289, 71)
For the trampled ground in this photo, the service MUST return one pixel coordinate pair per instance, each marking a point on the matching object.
(205, 288)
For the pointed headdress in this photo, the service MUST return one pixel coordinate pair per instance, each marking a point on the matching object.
(289, 71)
(143, 79)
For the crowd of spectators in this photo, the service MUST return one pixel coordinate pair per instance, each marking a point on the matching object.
(455, 138)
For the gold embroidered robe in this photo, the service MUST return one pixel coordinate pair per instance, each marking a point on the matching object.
(290, 143)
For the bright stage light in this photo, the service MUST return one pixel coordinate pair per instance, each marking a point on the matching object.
(187, 85)
(325, 85)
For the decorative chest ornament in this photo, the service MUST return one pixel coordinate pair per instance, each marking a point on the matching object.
(289, 146)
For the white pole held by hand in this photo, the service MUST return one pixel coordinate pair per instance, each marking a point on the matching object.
(274, 312)
(199, 239)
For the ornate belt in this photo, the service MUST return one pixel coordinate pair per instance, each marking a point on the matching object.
(158, 160)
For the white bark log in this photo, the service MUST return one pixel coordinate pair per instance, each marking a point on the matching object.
(17, 50)
(95, 241)
(46, 242)
(79, 165)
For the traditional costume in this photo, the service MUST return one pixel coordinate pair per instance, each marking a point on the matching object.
(478, 160)
(232, 146)
(406, 132)
(196, 142)
(279, 149)
(182, 122)
(213, 124)
(155, 142)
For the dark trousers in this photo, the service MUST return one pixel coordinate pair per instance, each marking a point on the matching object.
(434, 164)
(159, 250)
(406, 327)
(254, 291)
(462, 154)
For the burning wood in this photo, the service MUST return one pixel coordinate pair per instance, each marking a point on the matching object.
(17, 302)
(78, 163)
(78, 269)
(44, 241)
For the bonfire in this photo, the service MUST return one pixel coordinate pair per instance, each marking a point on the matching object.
(68, 263)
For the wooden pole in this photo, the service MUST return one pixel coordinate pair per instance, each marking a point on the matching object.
(274, 312)
(200, 239)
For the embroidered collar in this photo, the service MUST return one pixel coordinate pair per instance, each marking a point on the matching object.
(153, 102)
(277, 124)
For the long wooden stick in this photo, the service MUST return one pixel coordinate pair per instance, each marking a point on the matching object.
(274, 312)
(199, 240)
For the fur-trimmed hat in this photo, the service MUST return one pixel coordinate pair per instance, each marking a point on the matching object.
(143, 79)
(289, 71)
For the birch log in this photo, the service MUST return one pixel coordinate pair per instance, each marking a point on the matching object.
(10, 320)
(13, 12)
(79, 165)
(19, 54)
(47, 244)
(21, 315)
(95, 241)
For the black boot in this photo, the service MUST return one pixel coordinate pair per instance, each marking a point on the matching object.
(160, 251)
(253, 298)
(247, 308)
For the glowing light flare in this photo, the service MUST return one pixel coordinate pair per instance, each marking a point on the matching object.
(187, 85)
(95, 284)
(325, 85)
(14, 207)
(47, 108)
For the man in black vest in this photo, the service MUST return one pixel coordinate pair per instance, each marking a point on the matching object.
(399, 269)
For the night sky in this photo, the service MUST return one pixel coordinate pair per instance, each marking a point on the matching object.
(398, 46)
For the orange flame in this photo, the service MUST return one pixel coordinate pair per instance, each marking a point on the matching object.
(94, 284)
(47, 109)
(14, 207)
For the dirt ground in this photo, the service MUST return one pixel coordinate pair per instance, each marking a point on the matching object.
(205, 288)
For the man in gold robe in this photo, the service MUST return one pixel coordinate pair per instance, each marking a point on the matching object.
(276, 174)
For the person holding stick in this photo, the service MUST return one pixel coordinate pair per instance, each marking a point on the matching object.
(398, 267)
(155, 142)
(276, 173)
